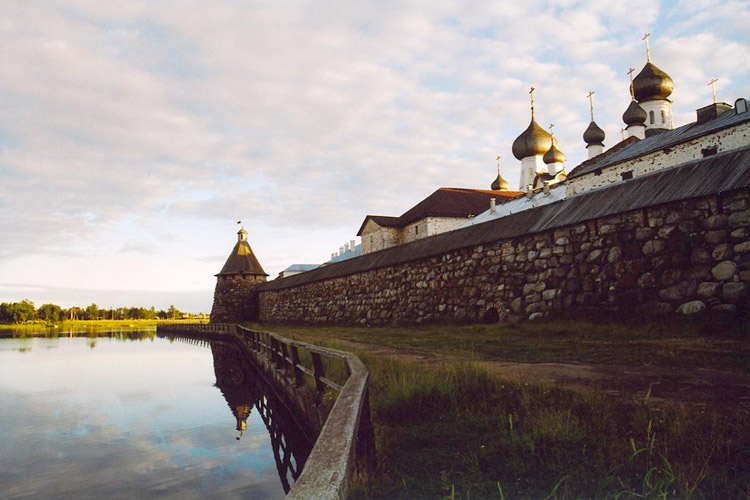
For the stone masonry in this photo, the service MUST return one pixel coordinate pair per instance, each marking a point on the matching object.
(235, 299)
(684, 257)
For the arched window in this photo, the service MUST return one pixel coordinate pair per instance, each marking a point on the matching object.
(651, 116)
(663, 116)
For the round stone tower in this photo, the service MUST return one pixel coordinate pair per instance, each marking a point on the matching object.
(235, 299)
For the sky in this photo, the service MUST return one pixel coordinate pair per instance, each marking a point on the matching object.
(134, 135)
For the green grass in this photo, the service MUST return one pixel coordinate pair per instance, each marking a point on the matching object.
(678, 344)
(83, 326)
(454, 430)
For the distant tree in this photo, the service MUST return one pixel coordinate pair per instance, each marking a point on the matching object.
(24, 311)
(162, 314)
(151, 313)
(92, 312)
(50, 312)
(173, 312)
(75, 313)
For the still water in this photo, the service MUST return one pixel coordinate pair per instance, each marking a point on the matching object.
(133, 415)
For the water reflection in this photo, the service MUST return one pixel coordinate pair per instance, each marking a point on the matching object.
(139, 416)
(244, 389)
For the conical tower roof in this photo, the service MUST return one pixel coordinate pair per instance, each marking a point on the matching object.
(242, 260)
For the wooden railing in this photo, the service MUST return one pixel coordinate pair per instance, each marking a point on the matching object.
(347, 434)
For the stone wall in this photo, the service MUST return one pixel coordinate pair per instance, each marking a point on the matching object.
(683, 257)
(235, 299)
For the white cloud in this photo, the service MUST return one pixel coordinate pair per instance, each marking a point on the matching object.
(158, 125)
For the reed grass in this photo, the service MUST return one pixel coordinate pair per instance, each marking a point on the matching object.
(457, 431)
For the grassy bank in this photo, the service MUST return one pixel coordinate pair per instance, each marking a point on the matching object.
(88, 326)
(677, 344)
(454, 430)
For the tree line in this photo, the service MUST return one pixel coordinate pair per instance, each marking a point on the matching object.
(25, 311)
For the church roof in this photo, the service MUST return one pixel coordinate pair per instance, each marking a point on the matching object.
(445, 202)
(593, 134)
(242, 260)
(652, 83)
(703, 177)
(666, 139)
(532, 141)
(634, 115)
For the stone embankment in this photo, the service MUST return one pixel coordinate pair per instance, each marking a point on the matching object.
(683, 257)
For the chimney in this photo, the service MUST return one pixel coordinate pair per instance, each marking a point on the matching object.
(353, 245)
(492, 206)
(529, 190)
(546, 188)
(711, 111)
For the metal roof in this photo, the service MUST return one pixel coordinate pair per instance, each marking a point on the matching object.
(662, 141)
(707, 176)
(445, 202)
(242, 260)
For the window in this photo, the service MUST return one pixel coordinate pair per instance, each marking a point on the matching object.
(651, 116)
(416, 229)
(663, 116)
(627, 175)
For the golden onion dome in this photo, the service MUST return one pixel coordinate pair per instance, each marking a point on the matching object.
(593, 134)
(652, 83)
(500, 184)
(554, 155)
(533, 141)
(634, 115)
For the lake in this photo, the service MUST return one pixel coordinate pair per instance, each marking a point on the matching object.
(133, 415)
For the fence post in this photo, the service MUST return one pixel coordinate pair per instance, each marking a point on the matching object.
(298, 375)
(319, 371)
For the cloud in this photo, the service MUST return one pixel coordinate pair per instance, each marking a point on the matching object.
(156, 126)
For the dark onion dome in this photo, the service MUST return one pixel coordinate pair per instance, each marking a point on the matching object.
(634, 115)
(533, 141)
(651, 84)
(554, 155)
(500, 184)
(593, 134)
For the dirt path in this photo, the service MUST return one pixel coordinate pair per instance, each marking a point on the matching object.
(696, 387)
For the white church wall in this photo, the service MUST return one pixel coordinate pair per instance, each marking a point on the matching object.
(723, 140)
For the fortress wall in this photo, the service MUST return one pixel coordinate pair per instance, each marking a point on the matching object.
(683, 257)
(235, 299)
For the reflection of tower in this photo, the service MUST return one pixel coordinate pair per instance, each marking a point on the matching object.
(231, 381)
(243, 388)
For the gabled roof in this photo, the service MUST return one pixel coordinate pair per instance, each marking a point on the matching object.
(445, 202)
(664, 140)
(242, 260)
